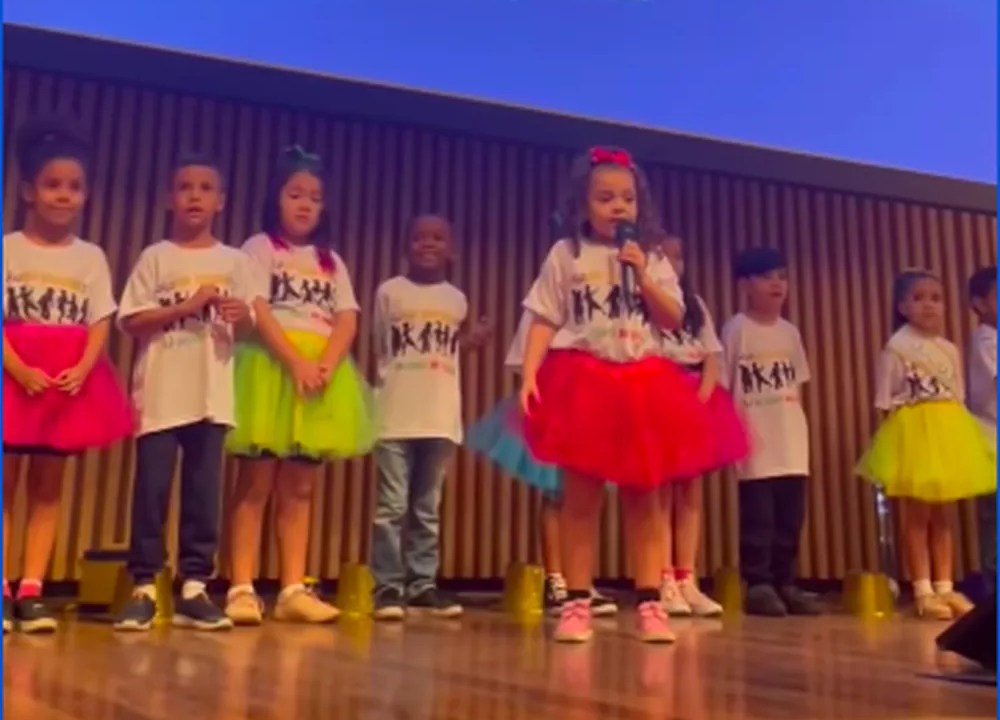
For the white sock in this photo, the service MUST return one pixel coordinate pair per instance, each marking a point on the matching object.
(149, 590)
(922, 588)
(192, 589)
(289, 590)
(235, 590)
(943, 587)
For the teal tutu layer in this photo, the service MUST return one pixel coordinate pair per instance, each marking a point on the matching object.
(495, 437)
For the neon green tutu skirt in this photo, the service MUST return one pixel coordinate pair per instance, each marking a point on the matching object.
(932, 451)
(273, 419)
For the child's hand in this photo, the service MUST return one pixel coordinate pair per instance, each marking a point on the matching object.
(480, 332)
(705, 391)
(233, 310)
(71, 380)
(632, 254)
(529, 394)
(206, 295)
(307, 377)
(33, 380)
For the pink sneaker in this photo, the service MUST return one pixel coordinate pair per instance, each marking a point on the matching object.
(574, 622)
(651, 623)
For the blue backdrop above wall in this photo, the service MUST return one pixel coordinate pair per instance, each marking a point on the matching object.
(903, 83)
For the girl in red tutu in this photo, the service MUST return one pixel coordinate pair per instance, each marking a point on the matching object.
(60, 393)
(695, 347)
(610, 406)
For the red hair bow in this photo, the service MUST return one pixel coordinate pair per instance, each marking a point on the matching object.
(606, 156)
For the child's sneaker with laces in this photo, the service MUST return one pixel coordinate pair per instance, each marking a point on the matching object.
(602, 605)
(700, 604)
(575, 622)
(673, 601)
(436, 602)
(303, 606)
(137, 615)
(34, 616)
(200, 613)
(651, 623)
(244, 607)
(555, 593)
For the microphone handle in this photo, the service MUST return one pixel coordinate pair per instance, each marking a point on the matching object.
(628, 280)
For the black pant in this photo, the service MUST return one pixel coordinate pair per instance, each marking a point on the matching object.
(772, 511)
(201, 471)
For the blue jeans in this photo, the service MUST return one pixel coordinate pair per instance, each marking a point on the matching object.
(405, 548)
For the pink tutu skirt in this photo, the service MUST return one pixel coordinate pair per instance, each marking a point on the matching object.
(96, 417)
(636, 424)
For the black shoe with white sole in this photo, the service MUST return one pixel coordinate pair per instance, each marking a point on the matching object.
(200, 613)
(32, 616)
(137, 615)
(389, 605)
(437, 603)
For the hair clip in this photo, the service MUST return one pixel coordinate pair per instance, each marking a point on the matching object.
(607, 156)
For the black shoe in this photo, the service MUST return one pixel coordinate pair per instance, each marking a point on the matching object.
(437, 603)
(137, 615)
(200, 613)
(601, 605)
(799, 602)
(389, 605)
(8, 615)
(764, 600)
(555, 594)
(32, 616)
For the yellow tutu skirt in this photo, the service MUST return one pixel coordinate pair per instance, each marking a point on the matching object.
(273, 419)
(932, 451)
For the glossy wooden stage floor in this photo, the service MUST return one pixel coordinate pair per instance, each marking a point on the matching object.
(486, 667)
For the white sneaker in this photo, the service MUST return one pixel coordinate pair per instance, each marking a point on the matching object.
(698, 602)
(673, 601)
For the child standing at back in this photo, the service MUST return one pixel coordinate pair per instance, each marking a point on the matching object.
(61, 395)
(420, 321)
(929, 451)
(765, 369)
(184, 302)
(300, 400)
(983, 398)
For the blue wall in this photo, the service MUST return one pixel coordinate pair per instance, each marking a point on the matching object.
(905, 83)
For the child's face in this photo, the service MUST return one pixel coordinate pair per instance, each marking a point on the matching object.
(301, 202)
(58, 192)
(611, 199)
(430, 243)
(674, 251)
(766, 293)
(923, 305)
(196, 197)
(986, 306)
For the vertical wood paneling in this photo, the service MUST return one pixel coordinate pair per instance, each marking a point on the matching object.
(843, 251)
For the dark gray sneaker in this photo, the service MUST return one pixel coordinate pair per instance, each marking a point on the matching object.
(33, 616)
(437, 603)
(764, 600)
(137, 615)
(389, 605)
(800, 602)
(200, 613)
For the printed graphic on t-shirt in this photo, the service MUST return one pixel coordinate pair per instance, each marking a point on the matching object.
(184, 330)
(424, 341)
(602, 305)
(765, 379)
(45, 298)
(304, 290)
(922, 386)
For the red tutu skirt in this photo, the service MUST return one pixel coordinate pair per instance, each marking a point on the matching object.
(97, 416)
(637, 424)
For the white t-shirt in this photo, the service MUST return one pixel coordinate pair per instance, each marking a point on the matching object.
(583, 295)
(914, 368)
(56, 284)
(765, 367)
(983, 375)
(418, 394)
(184, 373)
(303, 296)
(689, 351)
(515, 354)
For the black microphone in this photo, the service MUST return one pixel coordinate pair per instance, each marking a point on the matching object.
(625, 231)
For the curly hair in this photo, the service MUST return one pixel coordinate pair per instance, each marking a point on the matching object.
(46, 138)
(901, 286)
(573, 215)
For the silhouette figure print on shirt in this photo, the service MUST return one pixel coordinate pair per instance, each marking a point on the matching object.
(432, 337)
(755, 377)
(45, 304)
(614, 306)
(921, 386)
(209, 314)
(291, 289)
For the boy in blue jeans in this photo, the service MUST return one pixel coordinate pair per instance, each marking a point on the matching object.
(420, 327)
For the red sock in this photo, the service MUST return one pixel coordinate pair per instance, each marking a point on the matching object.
(681, 575)
(29, 589)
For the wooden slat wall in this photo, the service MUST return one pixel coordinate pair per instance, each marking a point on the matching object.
(843, 251)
